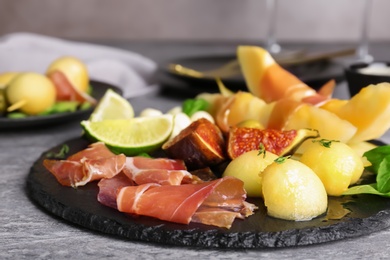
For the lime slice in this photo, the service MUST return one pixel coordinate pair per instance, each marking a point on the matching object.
(131, 136)
(112, 106)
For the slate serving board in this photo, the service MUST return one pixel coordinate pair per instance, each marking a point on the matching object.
(367, 213)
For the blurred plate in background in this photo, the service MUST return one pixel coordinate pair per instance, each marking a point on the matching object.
(98, 90)
(315, 74)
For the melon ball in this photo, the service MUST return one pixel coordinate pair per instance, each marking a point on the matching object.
(248, 167)
(34, 92)
(74, 70)
(292, 191)
(6, 78)
(335, 163)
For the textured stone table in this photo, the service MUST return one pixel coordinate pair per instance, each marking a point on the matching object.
(28, 232)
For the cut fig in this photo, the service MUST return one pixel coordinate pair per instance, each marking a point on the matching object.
(242, 139)
(199, 145)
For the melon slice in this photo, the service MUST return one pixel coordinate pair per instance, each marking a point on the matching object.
(368, 111)
(266, 79)
(329, 125)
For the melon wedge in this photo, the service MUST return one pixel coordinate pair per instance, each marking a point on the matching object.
(266, 79)
(240, 107)
(329, 125)
(368, 111)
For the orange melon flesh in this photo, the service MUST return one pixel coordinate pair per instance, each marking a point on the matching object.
(268, 80)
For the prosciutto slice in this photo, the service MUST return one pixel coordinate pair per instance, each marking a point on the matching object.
(162, 171)
(183, 202)
(93, 163)
(66, 91)
(109, 187)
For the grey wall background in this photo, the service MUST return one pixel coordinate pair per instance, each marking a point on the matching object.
(298, 20)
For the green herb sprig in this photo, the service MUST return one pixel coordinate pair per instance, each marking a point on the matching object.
(325, 142)
(282, 159)
(59, 155)
(379, 158)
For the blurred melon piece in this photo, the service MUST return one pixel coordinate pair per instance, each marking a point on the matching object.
(5, 78)
(362, 147)
(333, 105)
(266, 79)
(240, 107)
(245, 107)
(369, 111)
(329, 125)
(75, 70)
(31, 93)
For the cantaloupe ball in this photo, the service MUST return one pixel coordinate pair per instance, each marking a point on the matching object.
(292, 191)
(74, 69)
(36, 92)
(248, 167)
(337, 164)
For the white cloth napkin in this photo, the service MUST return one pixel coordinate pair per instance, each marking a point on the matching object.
(130, 71)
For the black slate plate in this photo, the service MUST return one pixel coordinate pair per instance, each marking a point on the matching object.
(368, 213)
(99, 88)
(314, 74)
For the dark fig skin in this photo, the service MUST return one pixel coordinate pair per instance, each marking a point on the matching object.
(199, 145)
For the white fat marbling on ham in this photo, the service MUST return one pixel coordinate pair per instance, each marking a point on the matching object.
(93, 163)
(181, 203)
(162, 171)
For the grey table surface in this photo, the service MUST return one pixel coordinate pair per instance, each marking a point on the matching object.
(28, 232)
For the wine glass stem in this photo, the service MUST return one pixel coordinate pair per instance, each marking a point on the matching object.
(272, 46)
(363, 53)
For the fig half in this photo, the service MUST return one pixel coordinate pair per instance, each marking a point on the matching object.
(199, 145)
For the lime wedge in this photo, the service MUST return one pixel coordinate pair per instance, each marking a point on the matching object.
(112, 106)
(131, 136)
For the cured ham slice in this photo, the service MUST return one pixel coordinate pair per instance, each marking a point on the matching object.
(93, 163)
(96, 150)
(180, 203)
(162, 171)
(109, 187)
(155, 163)
(66, 91)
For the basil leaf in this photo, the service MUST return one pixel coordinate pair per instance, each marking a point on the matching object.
(366, 189)
(190, 106)
(375, 156)
(383, 175)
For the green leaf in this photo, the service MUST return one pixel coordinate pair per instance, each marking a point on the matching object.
(325, 142)
(16, 115)
(145, 155)
(282, 159)
(383, 175)
(190, 106)
(61, 154)
(262, 150)
(366, 189)
(85, 106)
(62, 107)
(375, 156)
